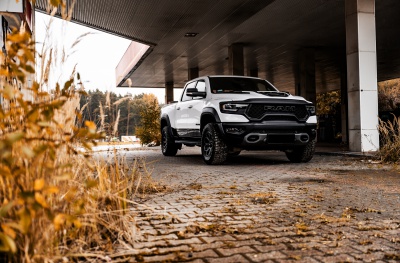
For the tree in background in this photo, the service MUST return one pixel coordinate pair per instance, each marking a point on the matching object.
(149, 129)
(118, 115)
(389, 95)
(328, 102)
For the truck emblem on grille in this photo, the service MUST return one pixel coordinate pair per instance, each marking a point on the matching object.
(280, 108)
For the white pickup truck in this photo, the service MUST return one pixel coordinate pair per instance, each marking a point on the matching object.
(227, 114)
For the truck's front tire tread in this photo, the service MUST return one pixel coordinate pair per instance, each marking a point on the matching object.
(213, 148)
(302, 154)
(168, 145)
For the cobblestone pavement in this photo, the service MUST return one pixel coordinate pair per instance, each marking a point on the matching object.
(260, 208)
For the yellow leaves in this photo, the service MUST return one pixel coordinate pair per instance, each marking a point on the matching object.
(39, 184)
(5, 208)
(69, 196)
(33, 115)
(77, 223)
(59, 221)
(14, 137)
(52, 190)
(8, 231)
(8, 92)
(7, 244)
(303, 230)
(25, 220)
(55, 3)
(301, 227)
(5, 171)
(37, 134)
(327, 103)
(41, 200)
(91, 126)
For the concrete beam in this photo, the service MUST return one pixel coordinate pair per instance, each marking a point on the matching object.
(193, 73)
(236, 60)
(362, 75)
(306, 86)
(169, 92)
(253, 72)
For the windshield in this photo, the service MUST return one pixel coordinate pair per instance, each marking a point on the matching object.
(236, 84)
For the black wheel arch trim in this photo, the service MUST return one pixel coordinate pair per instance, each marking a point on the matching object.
(208, 111)
(165, 117)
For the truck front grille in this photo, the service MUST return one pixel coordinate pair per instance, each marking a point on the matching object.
(269, 111)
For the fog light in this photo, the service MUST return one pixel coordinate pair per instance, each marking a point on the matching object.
(304, 138)
(233, 130)
(253, 138)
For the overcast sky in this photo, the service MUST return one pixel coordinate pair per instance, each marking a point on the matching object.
(96, 56)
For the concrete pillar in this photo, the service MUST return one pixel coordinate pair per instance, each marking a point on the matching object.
(253, 72)
(236, 61)
(193, 73)
(306, 86)
(169, 92)
(362, 75)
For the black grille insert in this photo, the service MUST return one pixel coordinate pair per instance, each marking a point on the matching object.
(259, 111)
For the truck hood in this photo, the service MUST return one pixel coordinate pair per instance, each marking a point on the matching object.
(252, 95)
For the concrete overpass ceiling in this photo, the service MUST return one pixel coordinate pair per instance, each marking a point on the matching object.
(272, 32)
(388, 39)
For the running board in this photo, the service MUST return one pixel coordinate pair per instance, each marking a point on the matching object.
(189, 142)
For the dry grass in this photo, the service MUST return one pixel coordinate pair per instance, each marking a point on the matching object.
(56, 203)
(390, 140)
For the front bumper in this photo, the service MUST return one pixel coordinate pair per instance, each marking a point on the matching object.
(268, 135)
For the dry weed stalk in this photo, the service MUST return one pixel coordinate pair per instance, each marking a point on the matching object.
(54, 201)
(389, 140)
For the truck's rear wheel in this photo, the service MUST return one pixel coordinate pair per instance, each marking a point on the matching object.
(213, 148)
(302, 154)
(168, 145)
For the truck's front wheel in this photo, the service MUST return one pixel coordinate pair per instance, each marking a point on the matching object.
(302, 154)
(168, 145)
(213, 148)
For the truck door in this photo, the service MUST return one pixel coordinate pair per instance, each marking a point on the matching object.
(190, 108)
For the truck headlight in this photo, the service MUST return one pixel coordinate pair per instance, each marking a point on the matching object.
(311, 110)
(233, 107)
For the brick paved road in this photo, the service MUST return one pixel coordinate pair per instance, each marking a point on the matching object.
(261, 208)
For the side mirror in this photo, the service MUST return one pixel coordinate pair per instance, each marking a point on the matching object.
(193, 92)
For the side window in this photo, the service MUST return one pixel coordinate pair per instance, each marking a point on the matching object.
(188, 86)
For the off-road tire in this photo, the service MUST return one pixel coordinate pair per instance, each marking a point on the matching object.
(302, 154)
(168, 145)
(213, 148)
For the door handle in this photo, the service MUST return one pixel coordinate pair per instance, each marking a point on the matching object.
(190, 106)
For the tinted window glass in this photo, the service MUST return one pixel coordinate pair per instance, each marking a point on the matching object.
(232, 84)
